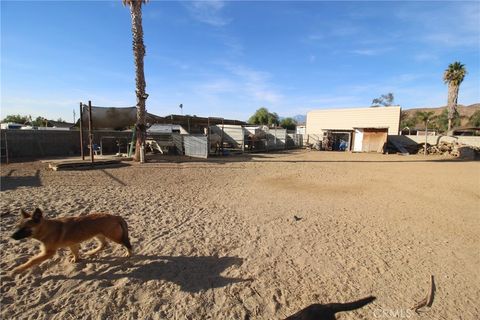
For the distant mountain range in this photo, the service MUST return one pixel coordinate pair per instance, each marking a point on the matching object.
(300, 118)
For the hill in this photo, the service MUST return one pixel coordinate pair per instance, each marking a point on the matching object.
(465, 112)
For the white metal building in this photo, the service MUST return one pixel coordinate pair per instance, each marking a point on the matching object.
(363, 129)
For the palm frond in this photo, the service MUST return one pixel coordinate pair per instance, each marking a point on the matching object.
(455, 73)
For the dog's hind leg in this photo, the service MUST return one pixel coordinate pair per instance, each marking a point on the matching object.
(119, 235)
(101, 244)
(75, 249)
(126, 243)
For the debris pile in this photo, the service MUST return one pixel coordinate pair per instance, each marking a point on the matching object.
(454, 149)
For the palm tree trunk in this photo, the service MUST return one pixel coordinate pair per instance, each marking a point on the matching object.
(452, 103)
(139, 53)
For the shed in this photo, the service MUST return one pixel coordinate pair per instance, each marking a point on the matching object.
(361, 129)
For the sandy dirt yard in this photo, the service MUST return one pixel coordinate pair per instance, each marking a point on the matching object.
(218, 239)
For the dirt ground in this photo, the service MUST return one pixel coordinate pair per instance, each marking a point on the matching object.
(218, 239)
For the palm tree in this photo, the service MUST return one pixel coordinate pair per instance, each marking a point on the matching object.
(453, 76)
(425, 117)
(138, 54)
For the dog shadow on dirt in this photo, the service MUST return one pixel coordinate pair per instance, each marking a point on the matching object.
(192, 273)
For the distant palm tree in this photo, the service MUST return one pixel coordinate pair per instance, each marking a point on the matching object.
(138, 54)
(425, 117)
(453, 76)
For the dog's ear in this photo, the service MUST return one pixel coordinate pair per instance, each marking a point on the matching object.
(25, 214)
(37, 215)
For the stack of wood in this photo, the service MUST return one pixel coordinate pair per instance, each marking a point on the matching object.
(454, 149)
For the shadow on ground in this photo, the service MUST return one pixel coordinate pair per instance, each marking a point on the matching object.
(10, 182)
(192, 274)
(283, 157)
(328, 311)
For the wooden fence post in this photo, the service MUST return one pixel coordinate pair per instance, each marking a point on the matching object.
(81, 132)
(90, 133)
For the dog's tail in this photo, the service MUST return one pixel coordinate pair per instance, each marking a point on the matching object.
(125, 238)
(339, 307)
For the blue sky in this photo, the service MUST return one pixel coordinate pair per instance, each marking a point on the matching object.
(228, 58)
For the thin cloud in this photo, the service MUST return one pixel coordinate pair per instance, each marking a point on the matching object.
(371, 52)
(366, 52)
(176, 63)
(209, 12)
(425, 57)
(256, 84)
(332, 30)
(334, 101)
(315, 37)
(451, 39)
(216, 86)
(240, 83)
(453, 26)
(407, 77)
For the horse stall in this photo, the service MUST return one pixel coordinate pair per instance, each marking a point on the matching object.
(113, 145)
(294, 140)
(165, 138)
(226, 139)
(255, 138)
(222, 139)
(276, 139)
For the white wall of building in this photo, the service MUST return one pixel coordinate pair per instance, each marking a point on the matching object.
(349, 119)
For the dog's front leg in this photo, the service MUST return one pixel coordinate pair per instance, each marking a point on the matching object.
(75, 253)
(34, 261)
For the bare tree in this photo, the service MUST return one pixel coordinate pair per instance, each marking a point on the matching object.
(385, 100)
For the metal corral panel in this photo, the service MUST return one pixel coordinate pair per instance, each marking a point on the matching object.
(195, 146)
(249, 130)
(231, 134)
(294, 140)
(348, 119)
(276, 139)
(178, 142)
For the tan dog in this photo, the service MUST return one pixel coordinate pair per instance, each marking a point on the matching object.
(69, 232)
